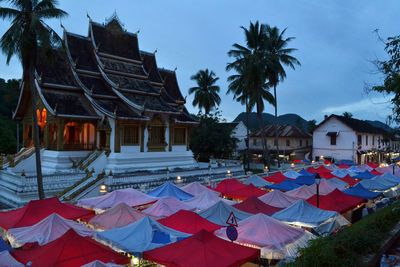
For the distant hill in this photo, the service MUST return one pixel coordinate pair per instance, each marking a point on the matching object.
(292, 119)
(381, 125)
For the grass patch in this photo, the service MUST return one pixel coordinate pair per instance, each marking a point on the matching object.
(350, 245)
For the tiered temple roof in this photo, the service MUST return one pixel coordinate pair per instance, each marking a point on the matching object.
(105, 74)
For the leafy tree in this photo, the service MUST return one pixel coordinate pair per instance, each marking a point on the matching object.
(251, 67)
(312, 124)
(347, 115)
(27, 33)
(278, 56)
(391, 71)
(206, 92)
(9, 93)
(211, 138)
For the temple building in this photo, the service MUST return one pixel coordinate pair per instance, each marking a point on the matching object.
(101, 92)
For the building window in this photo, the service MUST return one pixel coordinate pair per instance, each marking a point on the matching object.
(179, 136)
(130, 135)
(254, 142)
(366, 140)
(359, 141)
(287, 142)
(373, 140)
(306, 142)
(333, 140)
(301, 142)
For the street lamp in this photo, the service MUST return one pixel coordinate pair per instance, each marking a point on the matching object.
(103, 188)
(317, 182)
(292, 165)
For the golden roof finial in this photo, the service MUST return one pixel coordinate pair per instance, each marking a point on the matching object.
(55, 108)
(91, 89)
(115, 110)
(117, 84)
(97, 47)
(137, 32)
(155, 51)
(90, 19)
(144, 103)
(175, 69)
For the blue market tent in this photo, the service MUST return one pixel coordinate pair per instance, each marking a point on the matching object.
(304, 214)
(360, 191)
(140, 236)
(338, 182)
(364, 175)
(4, 246)
(286, 185)
(306, 161)
(390, 177)
(256, 181)
(220, 212)
(346, 162)
(170, 190)
(303, 172)
(306, 179)
(396, 159)
(377, 183)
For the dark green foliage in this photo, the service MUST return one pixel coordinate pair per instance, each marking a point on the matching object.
(9, 93)
(211, 138)
(206, 92)
(391, 71)
(350, 245)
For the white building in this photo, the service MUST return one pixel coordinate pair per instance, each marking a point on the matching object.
(239, 131)
(338, 138)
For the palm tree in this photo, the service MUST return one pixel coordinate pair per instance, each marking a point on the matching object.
(206, 92)
(278, 56)
(27, 33)
(250, 64)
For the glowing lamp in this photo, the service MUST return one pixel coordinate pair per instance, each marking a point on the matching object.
(292, 165)
(322, 157)
(103, 188)
(229, 172)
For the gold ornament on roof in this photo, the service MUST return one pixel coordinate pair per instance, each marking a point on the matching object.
(155, 51)
(90, 19)
(137, 32)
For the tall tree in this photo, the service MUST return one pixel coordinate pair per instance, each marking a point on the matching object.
(278, 56)
(206, 92)
(347, 115)
(28, 32)
(251, 65)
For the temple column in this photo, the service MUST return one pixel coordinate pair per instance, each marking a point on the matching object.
(108, 133)
(60, 134)
(142, 127)
(117, 143)
(46, 135)
(188, 138)
(171, 134)
(23, 135)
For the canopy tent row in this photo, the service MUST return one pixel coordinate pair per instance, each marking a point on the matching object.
(206, 200)
(45, 231)
(168, 189)
(166, 207)
(129, 196)
(277, 199)
(197, 188)
(203, 249)
(70, 249)
(140, 236)
(305, 215)
(220, 212)
(276, 239)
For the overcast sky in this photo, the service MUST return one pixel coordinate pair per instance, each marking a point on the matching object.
(335, 42)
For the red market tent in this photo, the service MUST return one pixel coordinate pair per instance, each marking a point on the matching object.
(296, 161)
(375, 172)
(348, 179)
(229, 185)
(245, 192)
(37, 210)
(201, 250)
(343, 166)
(373, 165)
(70, 249)
(321, 169)
(253, 205)
(188, 222)
(327, 162)
(276, 178)
(327, 175)
(336, 201)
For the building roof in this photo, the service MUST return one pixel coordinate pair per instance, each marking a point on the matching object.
(284, 130)
(106, 73)
(355, 124)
